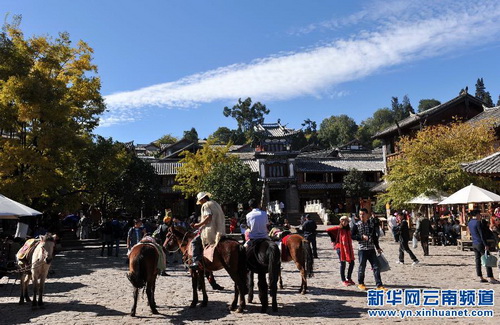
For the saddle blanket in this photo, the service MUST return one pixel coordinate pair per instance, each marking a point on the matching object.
(27, 247)
(208, 252)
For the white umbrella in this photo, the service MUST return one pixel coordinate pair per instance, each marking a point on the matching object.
(427, 199)
(10, 209)
(471, 194)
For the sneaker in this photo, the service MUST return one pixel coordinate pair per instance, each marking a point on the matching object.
(483, 280)
(415, 263)
(345, 283)
(399, 262)
(382, 288)
(494, 281)
(351, 282)
(362, 287)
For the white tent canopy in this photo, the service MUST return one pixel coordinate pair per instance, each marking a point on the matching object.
(10, 209)
(471, 194)
(427, 199)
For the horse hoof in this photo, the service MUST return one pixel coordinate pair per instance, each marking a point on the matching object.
(193, 304)
(302, 292)
(132, 314)
(204, 304)
(154, 311)
(21, 302)
(239, 310)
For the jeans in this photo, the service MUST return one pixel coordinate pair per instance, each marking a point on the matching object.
(478, 252)
(424, 241)
(342, 268)
(312, 239)
(395, 233)
(369, 255)
(403, 247)
(197, 247)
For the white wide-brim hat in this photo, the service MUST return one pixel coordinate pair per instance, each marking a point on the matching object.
(201, 195)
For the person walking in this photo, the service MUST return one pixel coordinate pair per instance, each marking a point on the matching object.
(135, 234)
(404, 237)
(423, 230)
(211, 227)
(479, 245)
(392, 223)
(117, 234)
(309, 228)
(342, 243)
(364, 232)
(106, 228)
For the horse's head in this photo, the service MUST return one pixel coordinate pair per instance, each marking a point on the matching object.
(47, 244)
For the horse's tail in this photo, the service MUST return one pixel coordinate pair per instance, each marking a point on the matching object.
(308, 258)
(137, 276)
(274, 265)
(242, 266)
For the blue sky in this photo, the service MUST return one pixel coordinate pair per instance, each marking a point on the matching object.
(167, 66)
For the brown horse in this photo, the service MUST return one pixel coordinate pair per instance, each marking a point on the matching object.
(35, 264)
(143, 270)
(228, 255)
(298, 249)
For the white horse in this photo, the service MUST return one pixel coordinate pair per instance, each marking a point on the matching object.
(36, 264)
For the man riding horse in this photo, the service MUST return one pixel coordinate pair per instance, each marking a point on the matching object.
(212, 227)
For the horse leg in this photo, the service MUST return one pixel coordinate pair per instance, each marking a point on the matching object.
(303, 284)
(41, 285)
(150, 295)
(23, 286)
(263, 292)
(211, 279)
(281, 281)
(273, 284)
(134, 305)
(194, 283)
(201, 278)
(35, 289)
(250, 287)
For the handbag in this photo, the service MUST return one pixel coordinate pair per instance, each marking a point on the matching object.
(488, 260)
(383, 263)
(414, 241)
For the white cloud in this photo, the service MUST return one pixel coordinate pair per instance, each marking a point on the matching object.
(422, 34)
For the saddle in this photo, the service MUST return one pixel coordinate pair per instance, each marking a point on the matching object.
(162, 258)
(27, 249)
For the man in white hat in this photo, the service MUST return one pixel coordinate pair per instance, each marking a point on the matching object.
(212, 226)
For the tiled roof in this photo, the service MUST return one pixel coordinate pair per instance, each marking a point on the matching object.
(492, 113)
(253, 164)
(166, 168)
(339, 165)
(274, 130)
(414, 118)
(487, 165)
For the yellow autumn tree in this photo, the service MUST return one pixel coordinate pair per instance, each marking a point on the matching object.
(430, 161)
(196, 166)
(50, 102)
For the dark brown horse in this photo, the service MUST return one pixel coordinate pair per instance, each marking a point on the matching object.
(296, 248)
(143, 270)
(228, 255)
(263, 257)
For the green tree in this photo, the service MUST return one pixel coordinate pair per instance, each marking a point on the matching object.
(50, 103)
(399, 110)
(224, 135)
(247, 115)
(196, 166)
(191, 135)
(498, 101)
(480, 88)
(337, 130)
(381, 119)
(231, 182)
(425, 104)
(166, 139)
(431, 160)
(136, 189)
(354, 184)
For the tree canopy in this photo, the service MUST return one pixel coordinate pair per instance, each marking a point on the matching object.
(354, 184)
(224, 135)
(50, 103)
(381, 119)
(337, 130)
(431, 160)
(166, 139)
(231, 182)
(196, 166)
(247, 115)
(425, 104)
(191, 135)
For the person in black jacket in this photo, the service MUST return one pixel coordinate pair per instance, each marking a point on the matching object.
(309, 228)
(423, 230)
(404, 237)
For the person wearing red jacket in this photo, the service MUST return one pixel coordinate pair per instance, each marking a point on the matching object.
(342, 243)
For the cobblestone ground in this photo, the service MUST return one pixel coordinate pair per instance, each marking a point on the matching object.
(88, 289)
